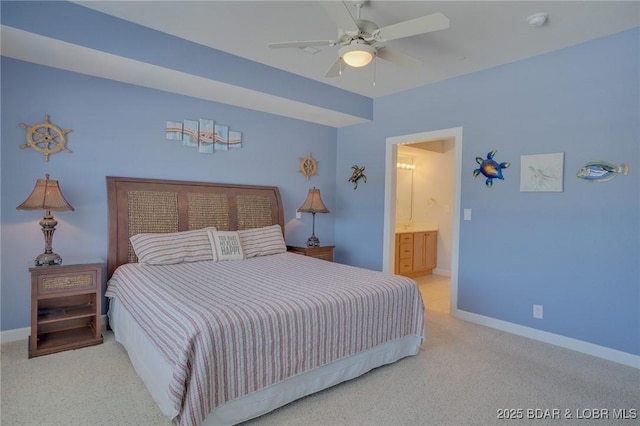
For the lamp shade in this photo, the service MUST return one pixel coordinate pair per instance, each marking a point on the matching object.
(46, 195)
(357, 54)
(313, 203)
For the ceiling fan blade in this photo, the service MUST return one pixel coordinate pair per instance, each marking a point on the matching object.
(425, 24)
(302, 43)
(339, 12)
(399, 58)
(336, 69)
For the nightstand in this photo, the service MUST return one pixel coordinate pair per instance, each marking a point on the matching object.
(65, 307)
(325, 252)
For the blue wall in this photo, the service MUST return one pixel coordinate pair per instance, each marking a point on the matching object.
(575, 252)
(119, 130)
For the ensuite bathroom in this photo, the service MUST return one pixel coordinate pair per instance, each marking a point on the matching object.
(424, 207)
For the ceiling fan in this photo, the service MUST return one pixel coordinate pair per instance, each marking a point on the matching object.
(362, 40)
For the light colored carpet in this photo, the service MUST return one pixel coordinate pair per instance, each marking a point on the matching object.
(463, 375)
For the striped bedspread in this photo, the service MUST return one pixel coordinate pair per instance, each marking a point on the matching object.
(231, 328)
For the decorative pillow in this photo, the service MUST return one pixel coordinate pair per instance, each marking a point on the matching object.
(174, 247)
(226, 245)
(262, 241)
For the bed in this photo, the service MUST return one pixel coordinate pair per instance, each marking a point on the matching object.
(218, 342)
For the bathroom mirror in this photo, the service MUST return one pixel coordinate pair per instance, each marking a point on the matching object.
(404, 189)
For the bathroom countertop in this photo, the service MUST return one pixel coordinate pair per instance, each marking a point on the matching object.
(412, 229)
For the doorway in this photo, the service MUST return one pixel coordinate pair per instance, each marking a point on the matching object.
(425, 139)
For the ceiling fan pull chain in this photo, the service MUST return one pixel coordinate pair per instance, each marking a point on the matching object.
(374, 70)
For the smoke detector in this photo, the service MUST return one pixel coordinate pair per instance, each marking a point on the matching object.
(538, 19)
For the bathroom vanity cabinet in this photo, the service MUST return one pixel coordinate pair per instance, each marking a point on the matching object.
(416, 253)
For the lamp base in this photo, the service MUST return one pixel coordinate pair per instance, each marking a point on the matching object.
(48, 259)
(48, 224)
(313, 241)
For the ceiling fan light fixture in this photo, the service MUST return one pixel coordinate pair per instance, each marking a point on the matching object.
(357, 54)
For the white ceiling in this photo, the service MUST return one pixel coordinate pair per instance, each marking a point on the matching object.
(481, 35)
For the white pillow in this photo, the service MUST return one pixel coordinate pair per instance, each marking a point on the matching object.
(174, 247)
(226, 245)
(262, 241)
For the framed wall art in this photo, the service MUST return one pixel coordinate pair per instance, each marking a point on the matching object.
(174, 130)
(235, 139)
(542, 172)
(204, 134)
(222, 137)
(190, 133)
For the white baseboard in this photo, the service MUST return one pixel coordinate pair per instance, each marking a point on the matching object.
(15, 335)
(551, 338)
(24, 333)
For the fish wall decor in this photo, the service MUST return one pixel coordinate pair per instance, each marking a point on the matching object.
(490, 168)
(601, 171)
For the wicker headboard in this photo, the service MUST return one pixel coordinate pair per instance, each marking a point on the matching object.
(155, 205)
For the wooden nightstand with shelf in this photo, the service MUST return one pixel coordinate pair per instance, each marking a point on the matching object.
(65, 307)
(324, 252)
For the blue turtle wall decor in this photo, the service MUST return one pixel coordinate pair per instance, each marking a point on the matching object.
(490, 168)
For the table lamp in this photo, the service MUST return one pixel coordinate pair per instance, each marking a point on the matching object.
(313, 204)
(46, 195)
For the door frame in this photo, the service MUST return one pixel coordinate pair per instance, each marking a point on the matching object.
(391, 158)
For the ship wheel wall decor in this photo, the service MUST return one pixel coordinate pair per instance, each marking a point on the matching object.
(308, 166)
(46, 138)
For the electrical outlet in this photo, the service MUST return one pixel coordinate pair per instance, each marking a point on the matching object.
(537, 311)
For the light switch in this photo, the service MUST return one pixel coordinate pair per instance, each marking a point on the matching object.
(467, 214)
(298, 215)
